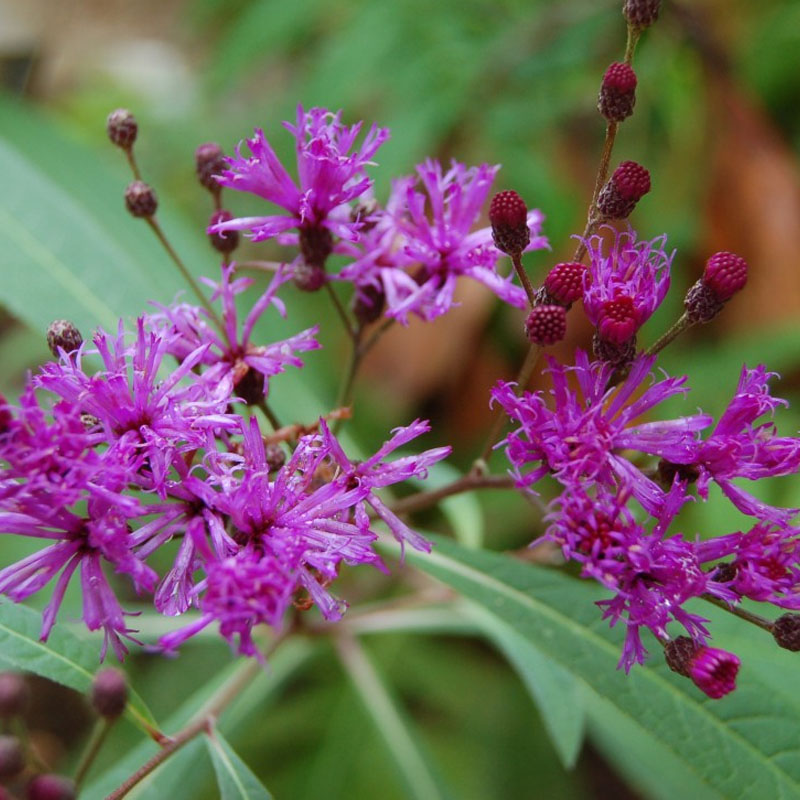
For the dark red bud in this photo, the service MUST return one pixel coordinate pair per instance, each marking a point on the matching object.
(109, 693)
(122, 128)
(508, 216)
(140, 199)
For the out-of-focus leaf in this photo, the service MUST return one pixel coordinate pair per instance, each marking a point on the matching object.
(186, 772)
(554, 690)
(391, 723)
(744, 745)
(64, 657)
(234, 778)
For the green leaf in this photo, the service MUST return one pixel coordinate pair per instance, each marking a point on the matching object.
(64, 657)
(554, 690)
(391, 722)
(76, 252)
(186, 771)
(742, 746)
(234, 778)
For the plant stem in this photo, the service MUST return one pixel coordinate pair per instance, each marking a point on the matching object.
(187, 276)
(516, 260)
(358, 351)
(351, 332)
(269, 414)
(676, 330)
(523, 379)
(755, 619)
(101, 730)
(204, 719)
(630, 45)
(468, 482)
(132, 163)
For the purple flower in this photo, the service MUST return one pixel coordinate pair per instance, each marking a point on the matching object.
(423, 258)
(161, 417)
(714, 671)
(737, 448)
(651, 576)
(625, 283)
(288, 534)
(329, 177)
(582, 437)
(82, 540)
(376, 473)
(765, 563)
(231, 357)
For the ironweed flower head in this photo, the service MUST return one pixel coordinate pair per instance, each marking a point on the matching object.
(330, 174)
(430, 253)
(626, 281)
(585, 432)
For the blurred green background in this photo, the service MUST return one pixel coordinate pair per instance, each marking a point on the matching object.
(717, 122)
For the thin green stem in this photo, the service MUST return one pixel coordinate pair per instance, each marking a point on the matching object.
(630, 45)
(187, 276)
(516, 260)
(358, 351)
(676, 330)
(99, 735)
(132, 163)
(755, 619)
(204, 719)
(467, 483)
(523, 379)
(340, 310)
(269, 414)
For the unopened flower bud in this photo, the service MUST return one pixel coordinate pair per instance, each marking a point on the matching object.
(617, 92)
(275, 456)
(5, 415)
(546, 324)
(725, 274)
(14, 693)
(713, 671)
(209, 161)
(786, 630)
(618, 320)
(309, 277)
(50, 787)
(140, 199)
(223, 241)
(641, 13)
(564, 283)
(64, 335)
(12, 757)
(368, 303)
(508, 215)
(623, 190)
(122, 128)
(109, 692)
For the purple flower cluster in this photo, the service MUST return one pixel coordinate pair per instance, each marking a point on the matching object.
(111, 465)
(624, 476)
(405, 257)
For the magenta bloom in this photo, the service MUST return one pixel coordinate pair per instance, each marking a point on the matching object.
(737, 448)
(650, 575)
(329, 177)
(581, 438)
(81, 541)
(162, 417)
(231, 358)
(428, 254)
(625, 283)
(376, 473)
(289, 534)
